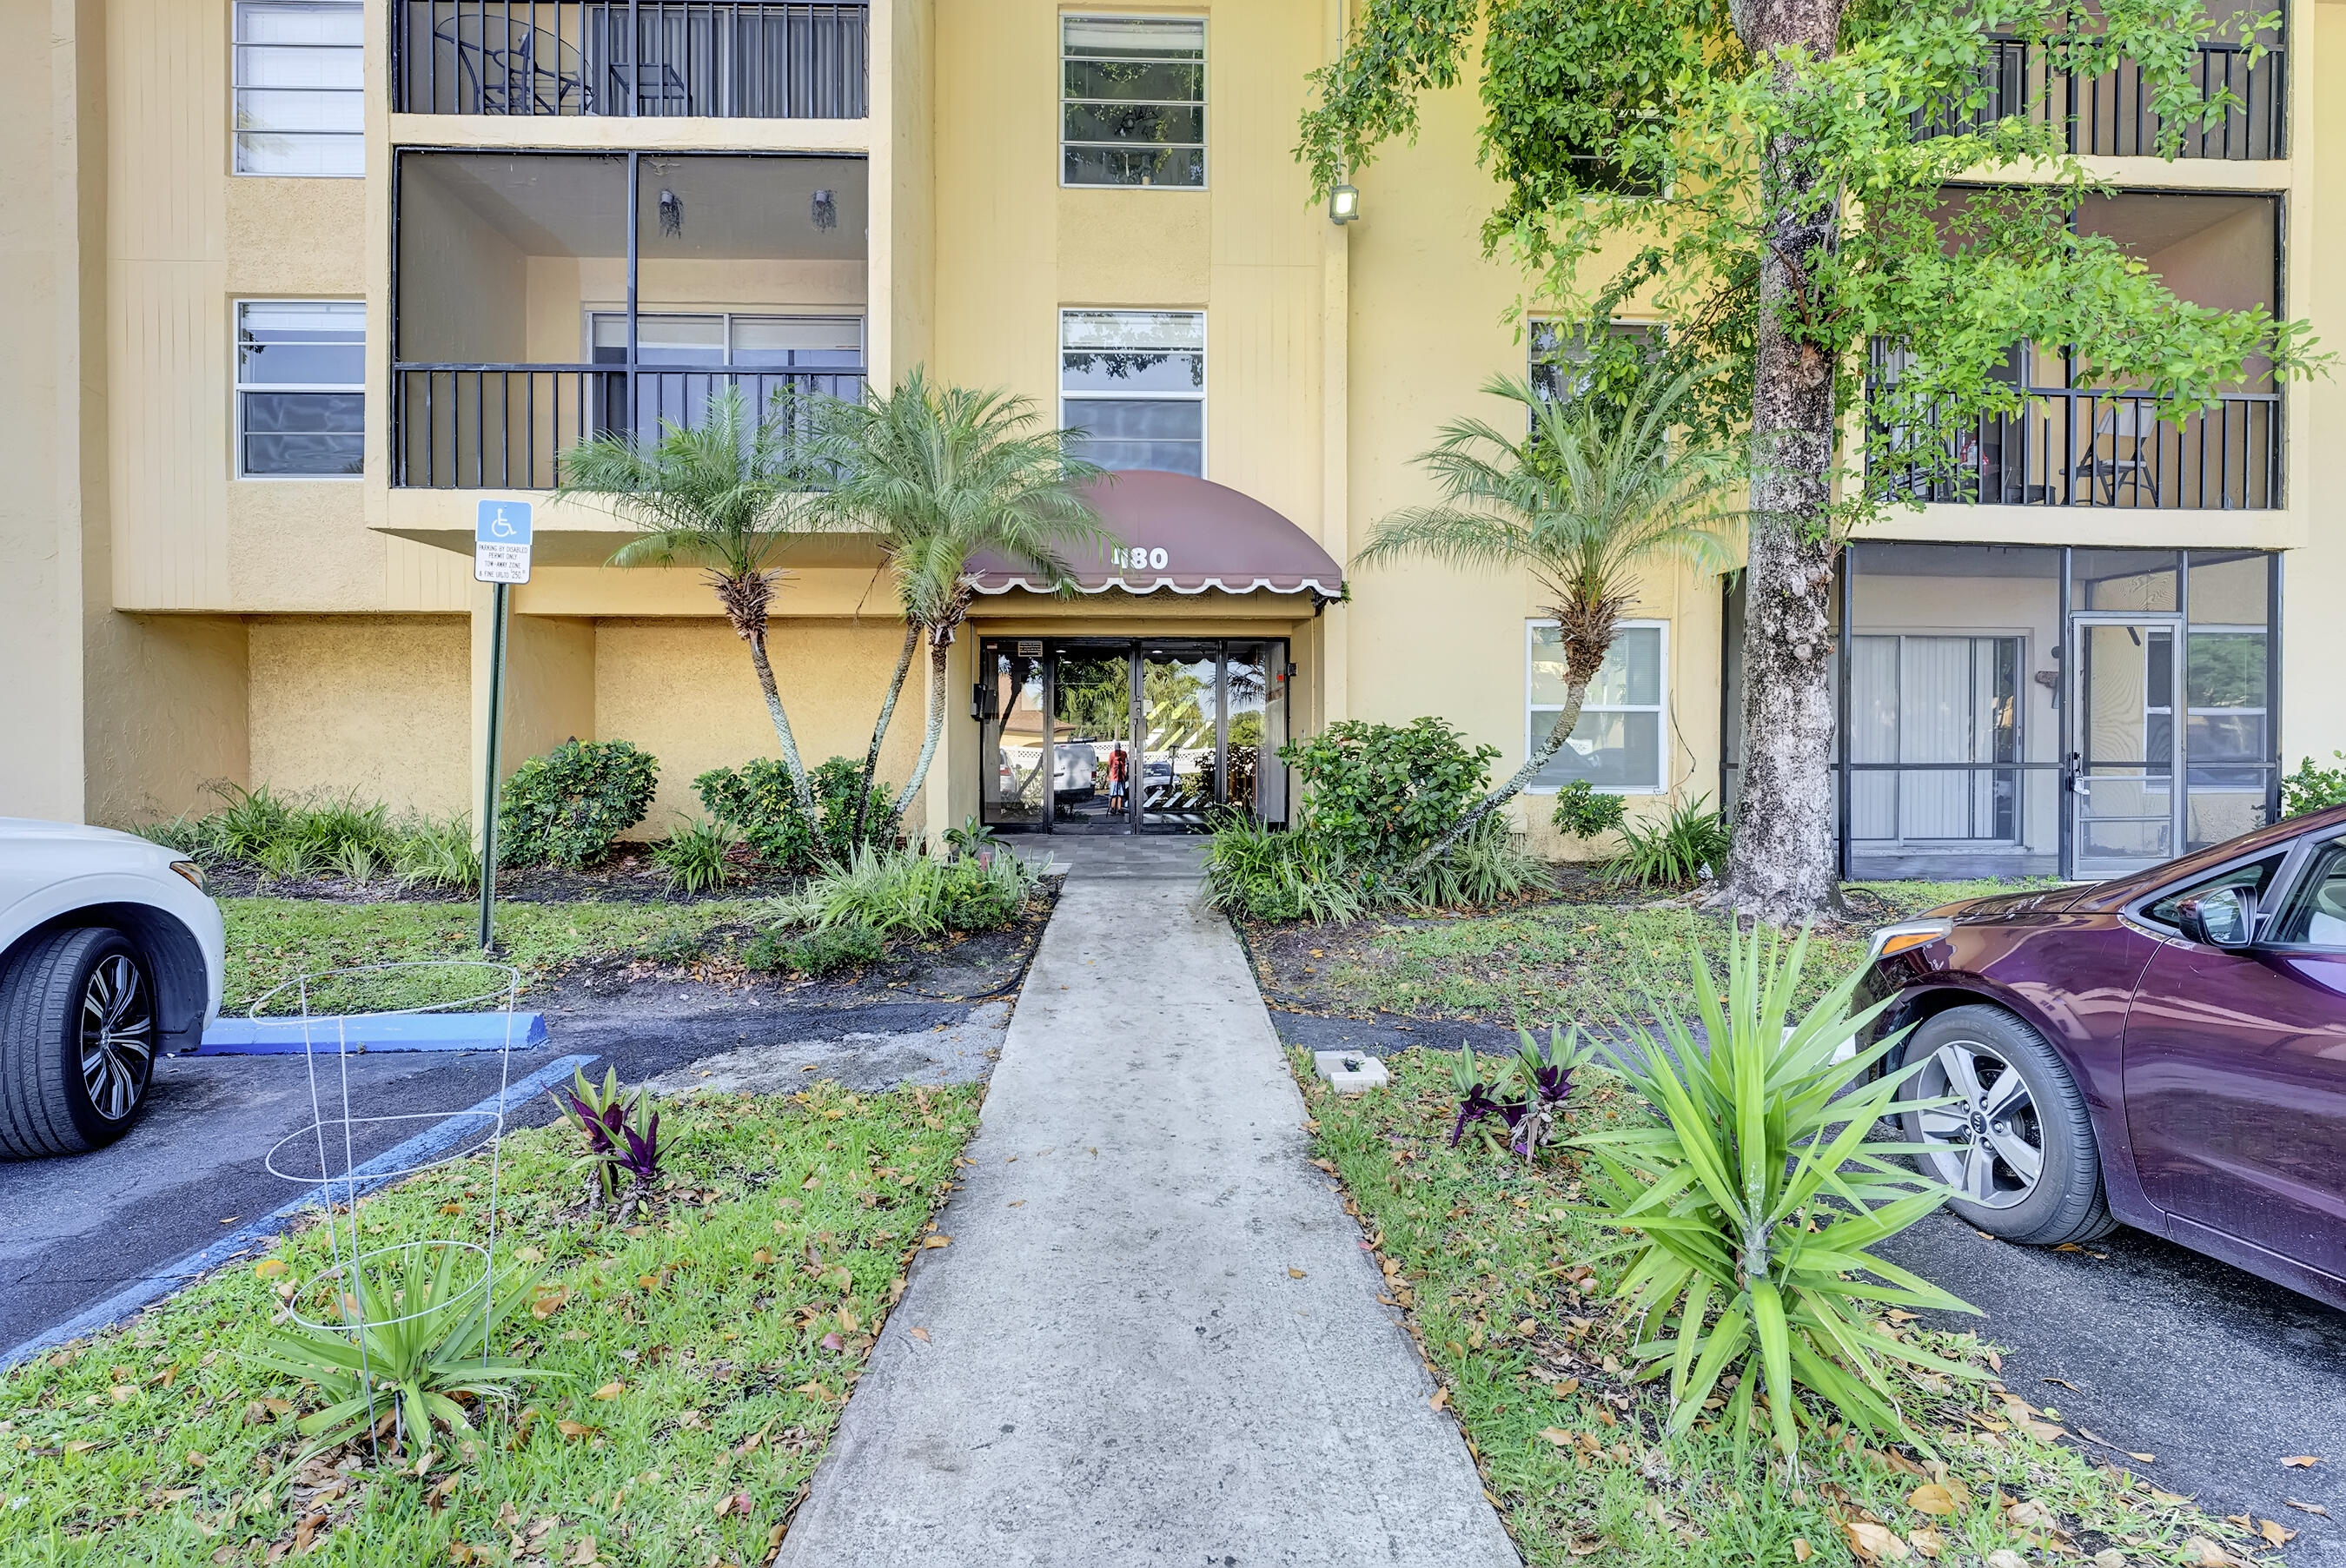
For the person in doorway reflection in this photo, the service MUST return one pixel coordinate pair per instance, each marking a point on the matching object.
(1119, 779)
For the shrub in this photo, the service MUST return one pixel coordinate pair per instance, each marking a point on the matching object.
(564, 809)
(437, 851)
(1684, 846)
(1487, 865)
(1583, 813)
(897, 892)
(1378, 793)
(696, 855)
(1756, 1198)
(824, 950)
(756, 801)
(1266, 874)
(2312, 787)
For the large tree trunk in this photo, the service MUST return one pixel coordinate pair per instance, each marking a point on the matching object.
(879, 729)
(1782, 867)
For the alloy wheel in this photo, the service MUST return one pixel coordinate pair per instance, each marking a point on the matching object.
(1988, 1144)
(118, 1036)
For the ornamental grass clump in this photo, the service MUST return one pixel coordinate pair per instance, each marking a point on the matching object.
(1752, 1204)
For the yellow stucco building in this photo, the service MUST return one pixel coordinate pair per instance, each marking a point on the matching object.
(291, 287)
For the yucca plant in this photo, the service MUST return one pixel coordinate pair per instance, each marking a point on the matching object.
(1757, 1196)
(410, 1340)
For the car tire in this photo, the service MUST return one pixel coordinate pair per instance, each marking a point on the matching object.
(78, 1031)
(1989, 1138)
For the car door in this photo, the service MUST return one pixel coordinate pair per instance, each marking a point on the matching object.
(2235, 1074)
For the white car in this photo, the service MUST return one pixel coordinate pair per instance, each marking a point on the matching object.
(111, 953)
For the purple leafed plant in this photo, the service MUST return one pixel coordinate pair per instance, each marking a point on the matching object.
(640, 1159)
(622, 1134)
(1478, 1099)
(1547, 1071)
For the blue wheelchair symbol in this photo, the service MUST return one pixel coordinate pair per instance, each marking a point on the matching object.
(502, 523)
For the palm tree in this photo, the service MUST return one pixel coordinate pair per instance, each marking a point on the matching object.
(938, 476)
(1598, 488)
(723, 494)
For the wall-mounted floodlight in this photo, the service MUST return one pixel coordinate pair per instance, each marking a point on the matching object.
(1344, 205)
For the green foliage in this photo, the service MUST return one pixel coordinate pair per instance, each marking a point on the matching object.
(412, 1339)
(437, 852)
(697, 855)
(901, 892)
(588, 1108)
(1264, 873)
(822, 951)
(1760, 1196)
(1591, 110)
(356, 863)
(284, 860)
(1583, 812)
(1487, 864)
(973, 838)
(1377, 793)
(758, 803)
(564, 809)
(2313, 787)
(1677, 851)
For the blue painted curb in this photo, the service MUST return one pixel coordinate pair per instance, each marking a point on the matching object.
(432, 1141)
(373, 1032)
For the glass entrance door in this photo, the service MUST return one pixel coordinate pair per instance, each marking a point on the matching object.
(1092, 751)
(1179, 762)
(2125, 783)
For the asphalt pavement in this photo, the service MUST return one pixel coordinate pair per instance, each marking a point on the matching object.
(2159, 1350)
(81, 1229)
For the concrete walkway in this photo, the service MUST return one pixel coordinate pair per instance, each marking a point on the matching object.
(1155, 1338)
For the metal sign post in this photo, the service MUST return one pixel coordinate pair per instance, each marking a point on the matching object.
(501, 541)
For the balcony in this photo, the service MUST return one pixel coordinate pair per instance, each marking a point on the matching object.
(2072, 442)
(545, 299)
(724, 59)
(2109, 115)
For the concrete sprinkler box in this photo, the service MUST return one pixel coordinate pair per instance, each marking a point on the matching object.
(1349, 1072)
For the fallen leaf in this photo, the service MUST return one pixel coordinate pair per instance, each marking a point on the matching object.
(529, 1255)
(2005, 1558)
(2307, 1507)
(1931, 1498)
(452, 1209)
(1560, 1438)
(2063, 1382)
(2302, 1462)
(582, 1554)
(2109, 1557)
(1441, 1398)
(1295, 1274)
(936, 1241)
(1872, 1542)
(831, 1341)
(2030, 1514)
(609, 1391)
(123, 1393)
(920, 1334)
(2168, 1499)
(271, 1267)
(1801, 1549)
(576, 1429)
(1929, 1542)
(763, 1255)
(2206, 1554)
(2275, 1533)
(1569, 1386)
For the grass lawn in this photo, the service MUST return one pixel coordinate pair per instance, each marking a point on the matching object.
(1547, 962)
(703, 1355)
(270, 940)
(1508, 1295)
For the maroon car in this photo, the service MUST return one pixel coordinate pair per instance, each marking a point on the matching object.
(2166, 1051)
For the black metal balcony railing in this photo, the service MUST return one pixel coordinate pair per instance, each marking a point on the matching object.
(506, 427)
(731, 59)
(2085, 448)
(2110, 114)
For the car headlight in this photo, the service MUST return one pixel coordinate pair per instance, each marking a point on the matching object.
(1905, 935)
(192, 871)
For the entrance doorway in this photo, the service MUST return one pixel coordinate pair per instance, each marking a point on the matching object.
(1128, 734)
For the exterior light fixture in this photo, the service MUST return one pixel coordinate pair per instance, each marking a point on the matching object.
(825, 209)
(1344, 205)
(672, 215)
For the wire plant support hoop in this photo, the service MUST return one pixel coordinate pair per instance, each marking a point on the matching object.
(341, 1153)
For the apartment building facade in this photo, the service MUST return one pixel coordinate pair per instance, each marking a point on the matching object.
(292, 286)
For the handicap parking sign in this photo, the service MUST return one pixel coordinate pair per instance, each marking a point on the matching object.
(501, 538)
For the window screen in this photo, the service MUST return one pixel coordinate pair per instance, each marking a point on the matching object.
(1134, 383)
(1618, 743)
(300, 371)
(1132, 100)
(299, 107)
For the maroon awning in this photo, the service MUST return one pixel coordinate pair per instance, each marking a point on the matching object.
(1187, 535)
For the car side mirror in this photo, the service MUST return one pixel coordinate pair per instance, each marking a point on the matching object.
(2226, 918)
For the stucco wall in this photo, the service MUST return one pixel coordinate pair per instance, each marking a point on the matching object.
(378, 705)
(170, 715)
(685, 691)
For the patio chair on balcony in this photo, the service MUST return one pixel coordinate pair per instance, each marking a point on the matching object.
(2123, 450)
(509, 67)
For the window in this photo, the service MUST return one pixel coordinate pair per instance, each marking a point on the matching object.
(1617, 746)
(300, 370)
(299, 109)
(2315, 914)
(1559, 351)
(745, 342)
(1134, 383)
(1132, 100)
